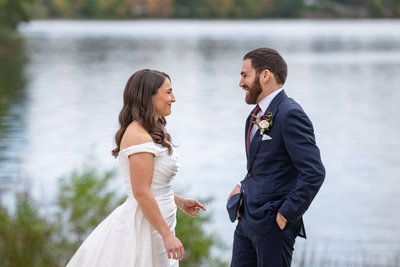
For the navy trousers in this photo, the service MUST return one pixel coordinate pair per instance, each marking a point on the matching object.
(271, 249)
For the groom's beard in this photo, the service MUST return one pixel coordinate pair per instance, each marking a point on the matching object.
(254, 91)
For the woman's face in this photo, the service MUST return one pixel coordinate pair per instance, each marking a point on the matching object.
(163, 99)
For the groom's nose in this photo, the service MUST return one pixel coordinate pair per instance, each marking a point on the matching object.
(241, 83)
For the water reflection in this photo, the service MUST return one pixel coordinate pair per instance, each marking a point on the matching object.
(12, 111)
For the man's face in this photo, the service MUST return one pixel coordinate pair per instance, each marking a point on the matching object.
(250, 82)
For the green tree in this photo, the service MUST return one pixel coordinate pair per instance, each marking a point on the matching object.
(396, 8)
(375, 8)
(246, 9)
(85, 199)
(12, 12)
(289, 8)
(25, 237)
(197, 242)
(58, 8)
(12, 51)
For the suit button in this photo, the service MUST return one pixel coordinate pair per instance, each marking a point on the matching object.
(249, 174)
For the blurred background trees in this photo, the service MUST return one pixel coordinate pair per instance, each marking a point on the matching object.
(14, 11)
(223, 9)
(36, 237)
(26, 237)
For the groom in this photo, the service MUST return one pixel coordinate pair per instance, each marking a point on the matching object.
(284, 168)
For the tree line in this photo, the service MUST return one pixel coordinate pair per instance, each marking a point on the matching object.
(13, 11)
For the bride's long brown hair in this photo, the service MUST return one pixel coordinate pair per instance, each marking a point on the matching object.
(139, 89)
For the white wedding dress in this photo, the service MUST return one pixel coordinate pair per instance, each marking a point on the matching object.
(125, 237)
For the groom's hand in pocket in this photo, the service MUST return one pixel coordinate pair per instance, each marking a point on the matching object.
(281, 221)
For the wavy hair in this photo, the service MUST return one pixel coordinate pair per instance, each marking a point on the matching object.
(139, 89)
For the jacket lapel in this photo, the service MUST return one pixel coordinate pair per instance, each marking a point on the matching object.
(256, 142)
(245, 134)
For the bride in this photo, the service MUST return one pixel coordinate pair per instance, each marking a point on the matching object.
(141, 232)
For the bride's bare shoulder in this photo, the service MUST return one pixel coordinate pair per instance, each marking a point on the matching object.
(135, 134)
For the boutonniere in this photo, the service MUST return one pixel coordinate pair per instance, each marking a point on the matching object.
(263, 122)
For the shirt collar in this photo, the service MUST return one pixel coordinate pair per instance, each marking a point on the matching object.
(264, 103)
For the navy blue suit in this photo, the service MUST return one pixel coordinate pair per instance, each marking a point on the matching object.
(283, 174)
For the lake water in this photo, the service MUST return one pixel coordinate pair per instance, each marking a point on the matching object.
(345, 74)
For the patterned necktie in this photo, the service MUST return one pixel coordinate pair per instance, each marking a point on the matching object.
(254, 112)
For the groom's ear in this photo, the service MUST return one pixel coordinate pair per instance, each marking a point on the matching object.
(265, 76)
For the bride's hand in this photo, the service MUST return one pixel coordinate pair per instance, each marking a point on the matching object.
(174, 247)
(191, 206)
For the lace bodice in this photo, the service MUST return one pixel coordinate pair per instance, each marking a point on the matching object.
(165, 167)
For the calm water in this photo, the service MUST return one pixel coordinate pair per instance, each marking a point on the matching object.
(344, 73)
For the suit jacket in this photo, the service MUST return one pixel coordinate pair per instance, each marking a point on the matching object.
(285, 172)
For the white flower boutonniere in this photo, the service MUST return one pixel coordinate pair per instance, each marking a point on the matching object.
(264, 123)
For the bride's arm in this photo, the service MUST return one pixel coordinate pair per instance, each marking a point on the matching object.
(188, 205)
(141, 173)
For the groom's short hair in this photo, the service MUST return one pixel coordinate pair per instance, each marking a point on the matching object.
(268, 58)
